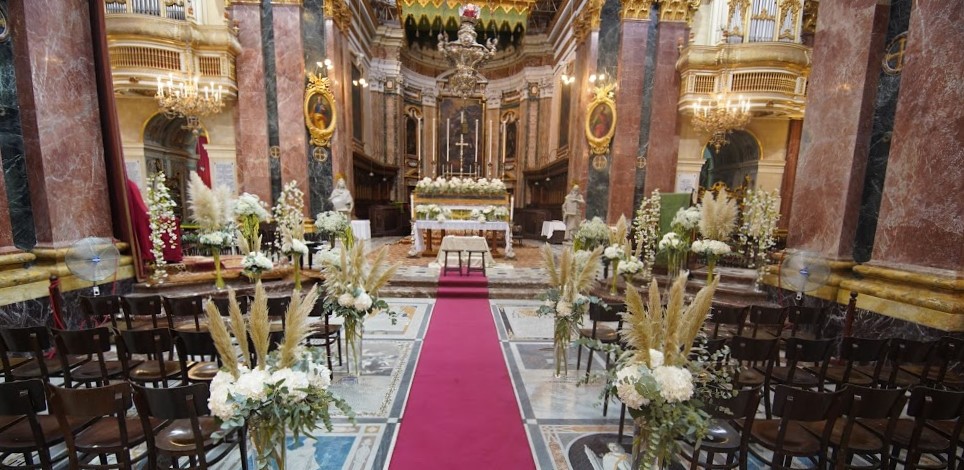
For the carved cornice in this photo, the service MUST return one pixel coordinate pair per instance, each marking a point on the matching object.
(636, 10)
(678, 11)
(339, 13)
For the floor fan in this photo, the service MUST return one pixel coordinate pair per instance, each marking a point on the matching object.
(803, 272)
(93, 259)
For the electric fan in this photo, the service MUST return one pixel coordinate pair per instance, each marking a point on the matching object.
(803, 272)
(93, 259)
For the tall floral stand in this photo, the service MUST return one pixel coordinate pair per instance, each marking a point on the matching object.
(353, 343)
(269, 445)
(560, 347)
(297, 265)
(218, 279)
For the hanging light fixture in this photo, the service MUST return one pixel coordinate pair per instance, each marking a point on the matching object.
(184, 97)
(721, 116)
(465, 52)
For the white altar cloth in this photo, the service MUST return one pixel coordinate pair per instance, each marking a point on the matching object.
(419, 242)
(361, 229)
(462, 245)
(550, 226)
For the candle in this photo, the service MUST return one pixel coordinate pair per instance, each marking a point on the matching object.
(488, 147)
(434, 144)
(476, 146)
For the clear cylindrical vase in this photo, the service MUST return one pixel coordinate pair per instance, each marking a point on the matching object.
(269, 445)
(218, 279)
(560, 347)
(354, 330)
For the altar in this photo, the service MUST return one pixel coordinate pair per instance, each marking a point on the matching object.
(419, 243)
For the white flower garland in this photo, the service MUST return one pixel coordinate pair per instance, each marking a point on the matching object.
(460, 186)
(160, 211)
(761, 212)
(647, 231)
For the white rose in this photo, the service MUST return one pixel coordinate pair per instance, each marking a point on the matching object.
(346, 300)
(363, 302)
(675, 383)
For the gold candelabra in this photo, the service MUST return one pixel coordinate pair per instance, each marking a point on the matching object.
(721, 116)
(187, 99)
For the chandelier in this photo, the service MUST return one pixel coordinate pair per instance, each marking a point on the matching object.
(466, 53)
(720, 117)
(185, 98)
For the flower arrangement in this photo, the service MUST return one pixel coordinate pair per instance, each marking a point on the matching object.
(647, 231)
(286, 389)
(761, 212)
(255, 263)
(460, 187)
(351, 292)
(713, 250)
(662, 385)
(432, 212)
(333, 224)
(160, 211)
(489, 213)
(212, 211)
(630, 268)
(591, 234)
(686, 220)
(250, 212)
(328, 255)
(569, 280)
(288, 216)
(717, 216)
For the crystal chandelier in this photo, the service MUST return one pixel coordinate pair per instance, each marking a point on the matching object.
(720, 117)
(185, 98)
(466, 53)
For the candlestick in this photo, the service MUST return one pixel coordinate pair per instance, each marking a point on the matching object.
(448, 128)
(476, 143)
(488, 148)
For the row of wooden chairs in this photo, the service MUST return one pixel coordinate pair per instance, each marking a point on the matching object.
(759, 321)
(99, 432)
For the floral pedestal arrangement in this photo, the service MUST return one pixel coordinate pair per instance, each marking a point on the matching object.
(564, 300)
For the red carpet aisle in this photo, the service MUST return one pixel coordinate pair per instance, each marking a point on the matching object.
(461, 412)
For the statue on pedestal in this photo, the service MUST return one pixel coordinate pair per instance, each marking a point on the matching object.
(571, 211)
(341, 198)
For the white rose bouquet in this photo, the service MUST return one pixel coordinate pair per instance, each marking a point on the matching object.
(256, 263)
(713, 250)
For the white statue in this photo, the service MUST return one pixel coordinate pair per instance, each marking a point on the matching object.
(616, 459)
(571, 212)
(341, 198)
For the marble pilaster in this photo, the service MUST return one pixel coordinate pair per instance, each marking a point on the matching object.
(313, 42)
(60, 118)
(633, 50)
(251, 120)
(341, 141)
(663, 146)
(579, 154)
(6, 229)
(834, 144)
(789, 172)
(289, 62)
(16, 193)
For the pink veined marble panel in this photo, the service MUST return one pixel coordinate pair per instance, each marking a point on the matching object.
(60, 117)
(921, 220)
(6, 229)
(629, 97)
(290, 68)
(663, 129)
(251, 120)
(836, 133)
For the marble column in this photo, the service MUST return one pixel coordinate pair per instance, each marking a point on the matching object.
(251, 118)
(60, 118)
(836, 134)
(341, 141)
(290, 85)
(925, 172)
(6, 229)
(789, 172)
(664, 129)
(313, 42)
(579, 154)
(633, 47)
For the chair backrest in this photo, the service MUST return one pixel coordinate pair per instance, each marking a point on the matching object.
(725, 315)
(931, 404)
(191, 307)
(196, 345)
(770, 318)
(809, 350)
(93, 343)
(151, 342)
(143, 305)
(33, 340)
(875, 403)
(102, 307)
(606, 313)
(110, 400)
(278, 307)
(222, 304)
(812, 318)
(741, 406)
(797, 404)
(950, 352)
(750, 350)
(181, 402)
(22, 397)
(904, 352)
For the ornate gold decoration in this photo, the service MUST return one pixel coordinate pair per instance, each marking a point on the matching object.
(678, 11)
(274, 152)
(320, 116)
(810, 9)
(893, 61)
(601, 119)
(320, 154)
(587, 20)
(599, 162)
(720, 117)
(636, 9)
(186, 98)
(466, 53)
(339, 13)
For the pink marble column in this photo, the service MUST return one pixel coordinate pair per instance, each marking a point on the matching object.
(341, 142)
(790, 173)
(6, 229)
(251, 117)
(290, 70)
(920, 213)
(836, 133)
(629, 98)
(663, 146)
(60, 118)
(585, 63)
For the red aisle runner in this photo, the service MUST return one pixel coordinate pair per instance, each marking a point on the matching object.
(462, 412)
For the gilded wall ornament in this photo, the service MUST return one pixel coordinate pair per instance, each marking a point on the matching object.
(678, 11)
(636, 9)
(339, 13)
(320, 117)
(601, 120)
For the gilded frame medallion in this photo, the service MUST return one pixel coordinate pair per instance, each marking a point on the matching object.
(320, 115)
(601, 120)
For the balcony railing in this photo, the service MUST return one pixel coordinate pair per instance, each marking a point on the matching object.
(771, 75)
(170, 9)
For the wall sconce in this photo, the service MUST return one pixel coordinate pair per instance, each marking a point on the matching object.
(322, 69)
(360, 82)
(567, 79)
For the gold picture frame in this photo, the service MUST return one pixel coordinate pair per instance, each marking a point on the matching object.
(320, 116)
(601, 120)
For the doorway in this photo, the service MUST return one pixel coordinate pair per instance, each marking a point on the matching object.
(170, 148)
(736, 162)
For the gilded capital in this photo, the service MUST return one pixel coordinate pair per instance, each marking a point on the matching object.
(678, 11)
(636, 9)
(339, 12)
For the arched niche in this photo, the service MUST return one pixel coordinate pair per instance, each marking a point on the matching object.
(170, 148)
(735, 161)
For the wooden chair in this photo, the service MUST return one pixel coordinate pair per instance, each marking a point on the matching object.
(186, 312)
(143, 311)
(726, 321)
(805, 322)
(932, 412)
(112, 432)
(599, 313)
(755, 357)
(222, 303)
(764, 322)
(807, 362)
(277, 308)
(949, 362)
(25, 431)
(35, 341)
(908, 362)
(198, 347)
(190, 432)
(325, 333)
(725, 437)
(788, 437)
(859, 362)
(101, 309)
(95, 345)
(155, 344)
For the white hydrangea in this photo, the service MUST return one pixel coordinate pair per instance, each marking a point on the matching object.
(328, 256)
(711, 247)
(295, 381)
(686, 219)
(346, 300)
(656, 358)
(363, 302)
(675, 383)
(630, 266)
(213, 239)
(296, 246)
(563, 308)
(249, 204)
(218, 402)
(614, 252)
(670, 241)
(251, 384)
(256, 261)
(626, 379)
(319, 375)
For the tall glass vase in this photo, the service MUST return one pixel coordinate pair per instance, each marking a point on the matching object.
(269, 445)
(354, 329)
(560, 347)
(645, 452)
(297, 263)
(612, 288)
(218, 279)
(710, 267)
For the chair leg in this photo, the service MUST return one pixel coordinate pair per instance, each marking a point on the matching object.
(578, 357)
(338, 340)
(588, 362)
(622, 421)
(243, 447)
